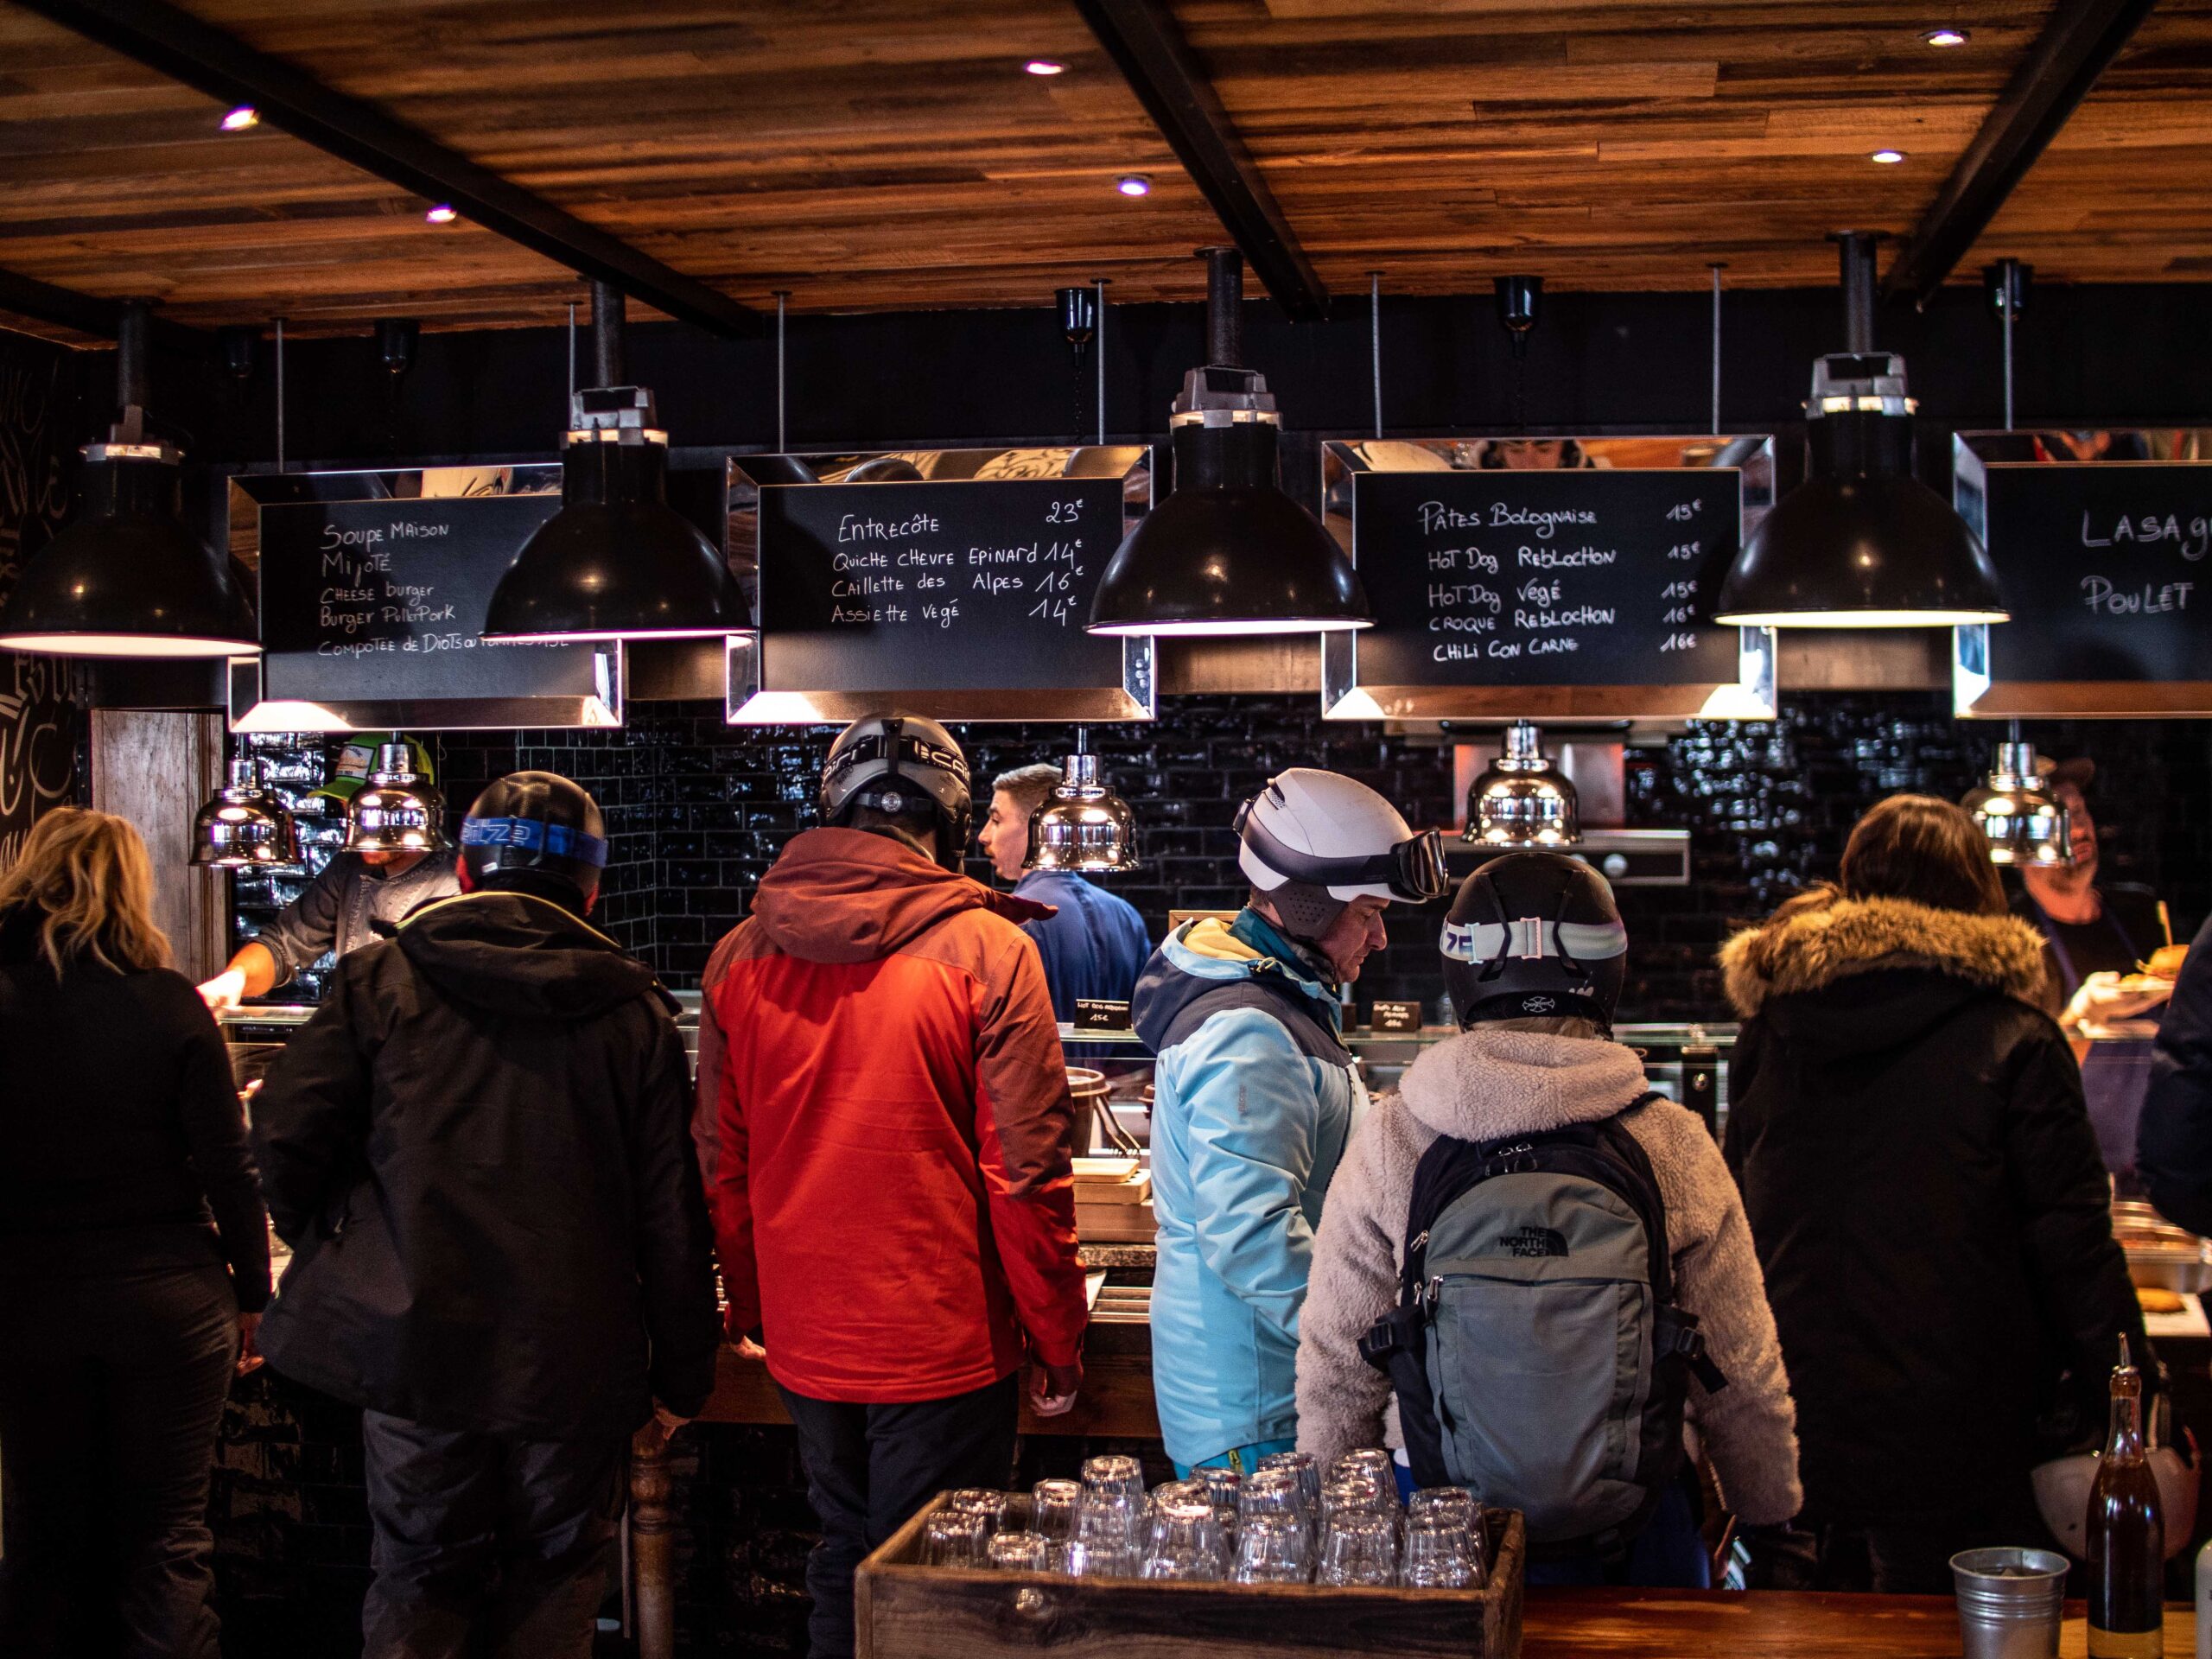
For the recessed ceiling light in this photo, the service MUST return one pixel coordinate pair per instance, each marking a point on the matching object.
(1134, 184)
(1946, 37)
(442, 213)
(242, 117)
(1044, 67)
(1887, 157)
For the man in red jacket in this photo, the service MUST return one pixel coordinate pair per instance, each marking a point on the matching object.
(886, 1132)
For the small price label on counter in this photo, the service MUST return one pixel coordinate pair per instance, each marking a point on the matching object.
(1393, 1016)
(1092, 1013)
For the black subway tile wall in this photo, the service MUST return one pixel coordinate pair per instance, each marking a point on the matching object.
(697, 810)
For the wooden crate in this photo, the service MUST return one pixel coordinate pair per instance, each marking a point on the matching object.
(905, 1610)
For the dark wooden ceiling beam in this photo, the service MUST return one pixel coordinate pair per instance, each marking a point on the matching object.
(88, 314)
(2077, 44)
(1147, 45)
(180, 46)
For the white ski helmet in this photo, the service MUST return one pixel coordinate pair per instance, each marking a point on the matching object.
(1313, 841)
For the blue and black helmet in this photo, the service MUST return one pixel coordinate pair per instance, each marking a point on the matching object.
(535, 821)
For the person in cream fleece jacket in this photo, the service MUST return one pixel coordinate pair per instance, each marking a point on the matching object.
(1508, 1075)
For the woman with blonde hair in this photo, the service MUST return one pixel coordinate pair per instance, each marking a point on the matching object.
(133, 1255)
(1907, 1125)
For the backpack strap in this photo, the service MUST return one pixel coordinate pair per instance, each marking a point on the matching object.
(1674, 1330)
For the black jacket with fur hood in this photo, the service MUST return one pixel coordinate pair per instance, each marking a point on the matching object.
(1925, 1192)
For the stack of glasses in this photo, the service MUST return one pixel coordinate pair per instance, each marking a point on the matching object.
(1283, 1524)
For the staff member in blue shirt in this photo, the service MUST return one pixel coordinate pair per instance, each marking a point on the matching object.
(1095, 946)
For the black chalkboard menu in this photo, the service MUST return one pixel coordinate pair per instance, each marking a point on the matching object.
(372, 600)
(2107, 572)
(1545, 593)
(965, 598)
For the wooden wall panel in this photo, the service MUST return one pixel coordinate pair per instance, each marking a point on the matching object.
(155, 768)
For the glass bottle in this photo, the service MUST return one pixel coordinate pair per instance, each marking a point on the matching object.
(2126, 1533)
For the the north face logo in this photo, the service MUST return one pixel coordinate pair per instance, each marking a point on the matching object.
(1535, 1241)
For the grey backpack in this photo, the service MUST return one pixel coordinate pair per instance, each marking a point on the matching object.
(1537, 1355)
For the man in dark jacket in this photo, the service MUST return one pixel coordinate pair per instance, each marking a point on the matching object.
(2174, 1155)
(478, 1150)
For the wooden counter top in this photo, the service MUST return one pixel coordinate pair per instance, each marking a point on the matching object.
(1771, 1624)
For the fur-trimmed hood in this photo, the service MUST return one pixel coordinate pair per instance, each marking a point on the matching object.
(1489, 1082)
(1812, 948)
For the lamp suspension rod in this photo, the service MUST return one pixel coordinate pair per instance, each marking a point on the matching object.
(131, 367)
(608, 321)
(572, 354)
(1856, 254)
(1715, 269)
(280, 394)
(782, 295)
(1375, 341)
(2007, 294)
(1100, 326)
(1224, 308)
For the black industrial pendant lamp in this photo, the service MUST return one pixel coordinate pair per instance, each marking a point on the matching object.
(617, 561)
(1228, 552)
(128, 577)
(1861, 543)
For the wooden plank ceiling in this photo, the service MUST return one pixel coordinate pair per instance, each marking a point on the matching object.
(873, 153)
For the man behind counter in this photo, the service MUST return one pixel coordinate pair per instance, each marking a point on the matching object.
(2089, 927)
(1095, 946)
(338, 910)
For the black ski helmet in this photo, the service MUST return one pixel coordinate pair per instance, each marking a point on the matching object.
(1534, 935)
(535, 821)
(896, 764)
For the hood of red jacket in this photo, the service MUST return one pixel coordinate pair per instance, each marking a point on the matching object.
(850, 895)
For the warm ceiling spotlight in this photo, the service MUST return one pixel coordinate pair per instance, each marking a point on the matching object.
(1045, 66)
(240, 119)
(443, 213)
(1134, 184)
(1945, 37)
(1887, 157)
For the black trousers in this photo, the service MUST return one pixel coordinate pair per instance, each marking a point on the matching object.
(112, 1391)
(486, 1545)
(869, 1468)
(1912, 1555)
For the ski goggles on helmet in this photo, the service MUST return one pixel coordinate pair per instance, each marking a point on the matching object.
(533, 834)
(1413, 869)
(898, 748)
(1532, 937)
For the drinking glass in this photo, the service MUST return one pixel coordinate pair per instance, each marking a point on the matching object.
(1308, 1472)
(1457, 1503)
(1438, 1552)
(1273, 1549)
(1114, 1473)
(1359, 1549)
(1355, 1495)
(1368, 1461)
(1177, 1492)
(1107, 1537)
(1018, 1552)
(952, 1538)
(1051, 1508)
(1223, 1486)
(1185, 1543)
(981, 1501)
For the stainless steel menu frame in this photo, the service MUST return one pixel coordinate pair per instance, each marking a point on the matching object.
(251, 709)
(1751, 696)
(748, 703)
(1974, 692)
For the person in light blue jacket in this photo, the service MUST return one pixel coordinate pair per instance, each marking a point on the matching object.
(1255, 1099)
